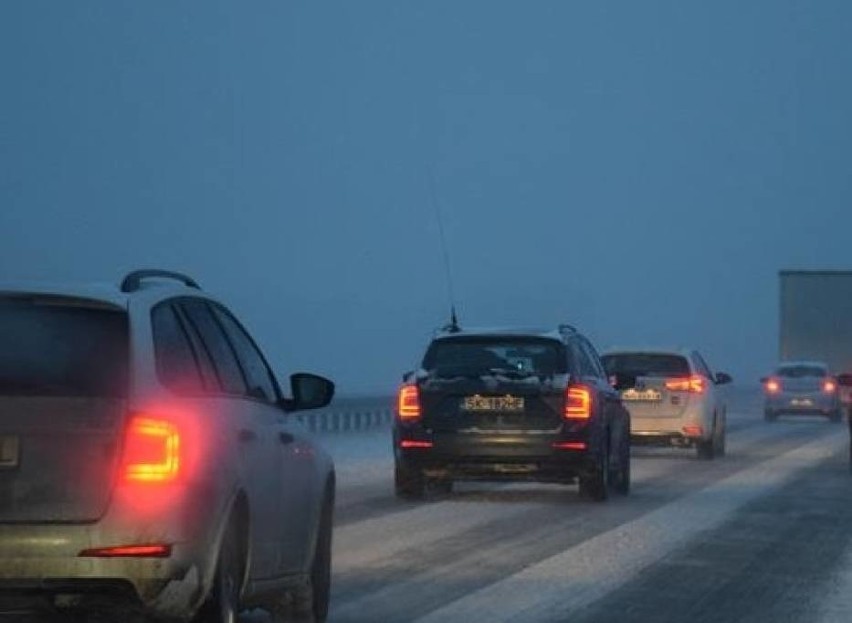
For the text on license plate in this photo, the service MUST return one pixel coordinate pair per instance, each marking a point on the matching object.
(510, 404)
(641, 395)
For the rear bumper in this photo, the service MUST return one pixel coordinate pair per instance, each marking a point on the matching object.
(805, 404)
(498, 457)
(42, 567)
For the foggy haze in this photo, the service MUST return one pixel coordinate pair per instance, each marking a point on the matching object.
(639, 169)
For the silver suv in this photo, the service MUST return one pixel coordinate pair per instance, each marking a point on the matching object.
(148, 462)
(673, 398)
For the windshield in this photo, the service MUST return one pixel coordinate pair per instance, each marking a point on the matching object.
(51, 348)
(490, 356)
(802, 371)
(641, 364)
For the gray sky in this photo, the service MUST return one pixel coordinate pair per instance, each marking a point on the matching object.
(640, 169)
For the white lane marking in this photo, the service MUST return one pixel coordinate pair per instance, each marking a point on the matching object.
(570, 580)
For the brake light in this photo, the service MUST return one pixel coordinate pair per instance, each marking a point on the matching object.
(409, 444)
(773, 386)
(129, 551)
(693, 431)
(569, 445)
(151, 450)
(829, 387)
(409, 402)
(693, 384)
(578, 402)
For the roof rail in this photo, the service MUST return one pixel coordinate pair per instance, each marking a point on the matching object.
(133, 280)
(567, 328)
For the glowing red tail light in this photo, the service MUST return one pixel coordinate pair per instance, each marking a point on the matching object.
(152, 449)
(773, 386)
(412, 444)
(693, 384)
(129, 551)
(829, 386)
(408, 406)
(578, 402)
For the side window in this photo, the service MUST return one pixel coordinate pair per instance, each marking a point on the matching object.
(595, 359)
(261, 384)
(176, 365)
(224, 360)
(583, 363)
(702, 366)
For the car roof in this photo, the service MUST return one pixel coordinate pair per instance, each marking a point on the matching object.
(683, 352)
(103, 293)
(499, 332)
(792, 364)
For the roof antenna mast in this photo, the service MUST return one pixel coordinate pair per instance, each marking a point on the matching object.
(453, 327)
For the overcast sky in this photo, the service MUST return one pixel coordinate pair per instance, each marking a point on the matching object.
(639, 169)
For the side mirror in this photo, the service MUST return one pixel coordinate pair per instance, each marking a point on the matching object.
(844, 380)
(406, 377)
(309, 391)
(722, 378)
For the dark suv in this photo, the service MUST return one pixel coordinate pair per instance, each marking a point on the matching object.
(510, 404)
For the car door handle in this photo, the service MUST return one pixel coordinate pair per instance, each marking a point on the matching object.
(246, 434)
(286, 438)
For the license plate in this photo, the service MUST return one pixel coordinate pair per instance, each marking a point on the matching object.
(802, 402)
(641, 395)
(504, 404)
(10, 449)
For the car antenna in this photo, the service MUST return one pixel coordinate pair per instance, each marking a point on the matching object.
(453, 326)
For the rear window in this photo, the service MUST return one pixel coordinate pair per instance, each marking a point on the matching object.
(53, 347)
(488, 356)
(802, 371)
(642, 364)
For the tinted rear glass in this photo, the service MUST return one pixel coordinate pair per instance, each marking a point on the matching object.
(485, 356)
(799, 372)
(50, 347)
(639, 364)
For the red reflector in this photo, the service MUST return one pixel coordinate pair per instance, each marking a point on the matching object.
(773, 386)
(129, 551)
(569, 445)
(408, 407)
(578, 402)
(694, 384)
(411, 443)
(829, 387)
(693, 431)
(151, 450)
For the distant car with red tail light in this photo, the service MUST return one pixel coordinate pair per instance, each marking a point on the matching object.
(673, 397)
(510, 405)
(148, 461)
(802, 388)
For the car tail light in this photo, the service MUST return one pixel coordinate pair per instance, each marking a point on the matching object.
(693, 431)
(773, 386)
(829, 386)
(569, 445)
(128, 551)
(578, 402)
(693, 384)
(409, 402)
(415, 444)
(152, 449)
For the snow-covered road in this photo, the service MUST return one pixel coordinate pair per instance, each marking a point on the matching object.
(760, 535)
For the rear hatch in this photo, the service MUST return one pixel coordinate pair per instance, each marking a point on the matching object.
(63, 393)
(645, 382)
(493, 384)
(802, 378)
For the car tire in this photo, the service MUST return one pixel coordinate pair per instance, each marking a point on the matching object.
(223, 603)
(595, 483)
(443, 486)
(706, 449)
(309, 603)
(621, 483)
(409, 482)
(721, 437)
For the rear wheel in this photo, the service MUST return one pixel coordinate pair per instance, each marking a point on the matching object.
(721, 437)
(223, 603)
(443, 486)
(621, 483)
(594, 484)
(409, 482)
